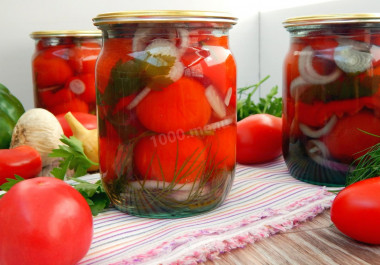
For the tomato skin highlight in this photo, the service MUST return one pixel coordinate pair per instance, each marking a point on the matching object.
(24, 161)
(355, 211)
(259, 139)
(44, 220)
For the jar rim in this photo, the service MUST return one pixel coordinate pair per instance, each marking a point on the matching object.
(163, 16)
(344, 18)
(65, 33)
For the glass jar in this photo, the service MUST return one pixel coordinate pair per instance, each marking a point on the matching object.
(331, 95)
(166, 90)
(63, 67)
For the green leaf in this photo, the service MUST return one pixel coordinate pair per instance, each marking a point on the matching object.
(94, 194)
(10, 183)
(270, 104)
(366, 166)
(73, 156)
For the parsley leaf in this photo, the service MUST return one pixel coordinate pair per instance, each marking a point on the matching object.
(10, 183)
(94, 194)
(270, 104)
(73, 158)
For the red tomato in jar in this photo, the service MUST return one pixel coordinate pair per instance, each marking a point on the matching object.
(50, 70)
(43, 221)
(221, 147)
(171, 158)
(355, 211)
(83, 58)
(50, 98)
(83, 86)
(89, 121)
(346, 142)
(114, 50)
(259, 139)
(181, 105)
(74, 105)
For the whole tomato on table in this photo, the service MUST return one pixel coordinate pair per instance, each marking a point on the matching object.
(259, 139)
(356, 211)
(44, 221)
(24, 161)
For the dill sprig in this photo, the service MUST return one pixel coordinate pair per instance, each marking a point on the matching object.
(367, 166)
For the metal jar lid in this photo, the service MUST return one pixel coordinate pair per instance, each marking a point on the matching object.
(66, 33)
(332, 19)
(163, 16)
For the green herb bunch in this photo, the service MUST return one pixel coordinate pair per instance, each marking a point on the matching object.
(270, 104)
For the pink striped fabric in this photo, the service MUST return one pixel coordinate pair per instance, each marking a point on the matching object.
(264, 200)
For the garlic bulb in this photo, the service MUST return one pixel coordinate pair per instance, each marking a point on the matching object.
(39, 129)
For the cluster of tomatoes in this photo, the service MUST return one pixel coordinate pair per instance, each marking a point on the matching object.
(64, 74)
(322, 86)
(174, 118)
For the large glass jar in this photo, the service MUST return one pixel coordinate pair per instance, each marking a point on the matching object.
(63, 67)
(331, 95)
(166, 90)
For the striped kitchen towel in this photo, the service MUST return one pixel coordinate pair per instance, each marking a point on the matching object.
(264, 200)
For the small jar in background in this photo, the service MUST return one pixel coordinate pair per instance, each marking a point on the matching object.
(166, 84)
(63, 67)
(331, 95)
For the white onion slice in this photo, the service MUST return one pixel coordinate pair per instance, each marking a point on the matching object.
(218, 54)
(179, 192)
(228, 96)
(77, 86)
(298, 86)
(215, 101)
(353, 56)
(307, 71)
(319, 153)
(306, 130)
(218, 124)
(138, 98)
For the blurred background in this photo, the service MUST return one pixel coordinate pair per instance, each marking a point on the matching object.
(258, 41)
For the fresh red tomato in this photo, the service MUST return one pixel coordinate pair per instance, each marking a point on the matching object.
(259, 139)
(24, 161)
(43, 221)
(346, 143)
(356, 211)
(167, 157)
(89, 121)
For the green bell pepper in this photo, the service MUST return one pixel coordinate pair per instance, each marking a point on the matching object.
(10, 111)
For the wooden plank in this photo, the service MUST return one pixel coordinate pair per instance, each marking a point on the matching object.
(314, 242)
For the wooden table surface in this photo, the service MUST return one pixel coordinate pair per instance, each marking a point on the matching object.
(313, 242)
